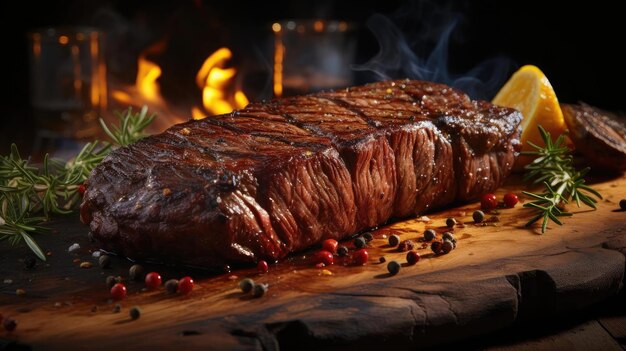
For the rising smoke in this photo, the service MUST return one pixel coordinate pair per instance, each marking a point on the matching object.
(402, 54)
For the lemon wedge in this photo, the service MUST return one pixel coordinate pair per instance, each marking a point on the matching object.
(530, 92)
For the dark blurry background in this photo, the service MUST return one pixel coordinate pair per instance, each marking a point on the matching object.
(578, 46)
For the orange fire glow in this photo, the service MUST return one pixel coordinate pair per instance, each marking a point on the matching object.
(214, 80)
(219, 94)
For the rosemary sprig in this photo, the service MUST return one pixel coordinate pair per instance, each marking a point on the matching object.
(554, 168)
(130, 128)
(29, 195)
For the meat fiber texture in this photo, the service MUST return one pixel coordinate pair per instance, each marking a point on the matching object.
(281, 176)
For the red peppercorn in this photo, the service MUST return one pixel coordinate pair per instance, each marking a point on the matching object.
(118, 291)
(153, 280)
(510, 200)
(330, 245)
(81, 189)
(360, 257)
(185, 285)
(412, 257)
(488, 202)
(262, 267)
(324, 257)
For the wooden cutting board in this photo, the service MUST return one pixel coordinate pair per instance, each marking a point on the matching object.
(498, 274)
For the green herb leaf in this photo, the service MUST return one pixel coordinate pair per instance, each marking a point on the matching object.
(27, 191)
(553, 167)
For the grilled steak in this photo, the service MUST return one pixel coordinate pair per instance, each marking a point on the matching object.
(281, 176)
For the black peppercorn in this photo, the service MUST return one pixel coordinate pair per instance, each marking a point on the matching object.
(447, 246)
(342, 251)
(368, 237)
(448, 236)
(478, 216)
(134, 312)
(622, 204)
(430, 235)
(104, 261)
(136, 272)
(246, 285)
(111, 280)
(259, 290)
(393, 267)
(450, 222)
(394, 240)
(117, 308)
(382, 259)
(359, 243)
(171, 286)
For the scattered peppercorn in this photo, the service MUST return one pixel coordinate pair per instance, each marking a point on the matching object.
(324, 257)
(73, 248)
(342, 251)
(81, 189)
(430, 235)
(478, 216)
(153, 280)
(622, 204)
(448, 236)
(450, 222)
(359, 242)
(394, 240)
(185, 285)
(118, 291)
(171, 286)
(393, 267)
(436, 247)
(368, 237)
(447, 246)
(330, 245)
(412, 257)
(104, 261)
(488, 202)
(382, 259)
(136, 272)
(510, 200)
(134, 313)
(117, 308)
(406, 245)
(246, 285)
(258, 290)
(9, 324)
(360, 257)
(111, 280)
(262, 267)
(94, 308)
(29, 262)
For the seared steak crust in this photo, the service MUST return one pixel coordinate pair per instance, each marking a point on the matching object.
(280, 176)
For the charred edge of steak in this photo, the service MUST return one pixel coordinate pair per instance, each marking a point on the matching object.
(281, 176)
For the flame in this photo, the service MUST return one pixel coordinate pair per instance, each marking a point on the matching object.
(146, 89)
(214, 80)
(147, 74)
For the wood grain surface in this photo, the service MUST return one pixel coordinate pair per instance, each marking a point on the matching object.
(498, 274)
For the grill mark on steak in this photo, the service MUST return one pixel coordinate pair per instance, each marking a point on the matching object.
(281, 176)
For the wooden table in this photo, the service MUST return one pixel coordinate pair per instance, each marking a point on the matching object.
(499, 275)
